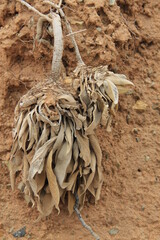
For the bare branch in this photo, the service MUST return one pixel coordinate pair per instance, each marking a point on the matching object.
(35, 10)
(52, 4)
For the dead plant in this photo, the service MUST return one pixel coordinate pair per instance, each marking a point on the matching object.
(54, 141)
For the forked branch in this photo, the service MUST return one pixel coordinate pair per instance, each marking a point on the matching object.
(58, 39)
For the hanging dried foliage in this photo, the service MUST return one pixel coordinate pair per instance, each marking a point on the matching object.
(54, 141)
(55, 145)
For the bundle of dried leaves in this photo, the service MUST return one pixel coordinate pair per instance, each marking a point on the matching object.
(55, 145)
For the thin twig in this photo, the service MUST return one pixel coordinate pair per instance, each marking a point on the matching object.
(35, 10)
(82, 220)
(78, 55)
(52, 4)
(83, 30)
(60, 3)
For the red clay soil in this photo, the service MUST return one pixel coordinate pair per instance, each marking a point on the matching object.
(126, 37)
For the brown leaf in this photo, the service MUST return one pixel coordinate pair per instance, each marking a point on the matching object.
(15, 165)
(40, 180)
(25, 169)
(96, 120)
(45, 205)
(118, 79)
(52, 181)
(96, 148)
(111, 91)
(93, 169)
(83, 144)
(64, 157)
(37, 163)
(71, 202)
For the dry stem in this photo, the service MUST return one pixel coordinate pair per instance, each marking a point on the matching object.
(58, 46)
(76, 206)
(83, 30)
(35, 10)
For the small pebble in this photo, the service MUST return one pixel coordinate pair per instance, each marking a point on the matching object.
(147, 158)
(135, 130)
(142, 207)
(148, 80)
(113, 231)
(155, 106)
(20, 233)
(111, 2)
(128, 117)
(154, 132)
(99, 29)
(137, 139)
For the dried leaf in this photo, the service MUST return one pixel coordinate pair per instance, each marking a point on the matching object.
(118, 79)
(40, 180)
(63, 159)
(15, 165)
(111, 91)
(71, 202)
(37, 162)
(52, 181)
(96, 148)
(96, 120)
(25, 169)
(45, 206)
(83, 144)
(93, 169)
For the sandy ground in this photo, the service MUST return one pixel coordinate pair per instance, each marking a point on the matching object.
(127, 38)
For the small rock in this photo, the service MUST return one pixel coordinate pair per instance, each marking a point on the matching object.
(142, 207)
(99, 29)
(152, 85)
(111, 2)
(113, 231)
(137, 139)
(8, 186)
(154, 132)
(128, 117)
(135, 130)
(147, 158)
(140, 106)
(156, 106)
(20, 233)
(148, 80)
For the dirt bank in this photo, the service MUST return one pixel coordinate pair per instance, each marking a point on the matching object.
(127, 38)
